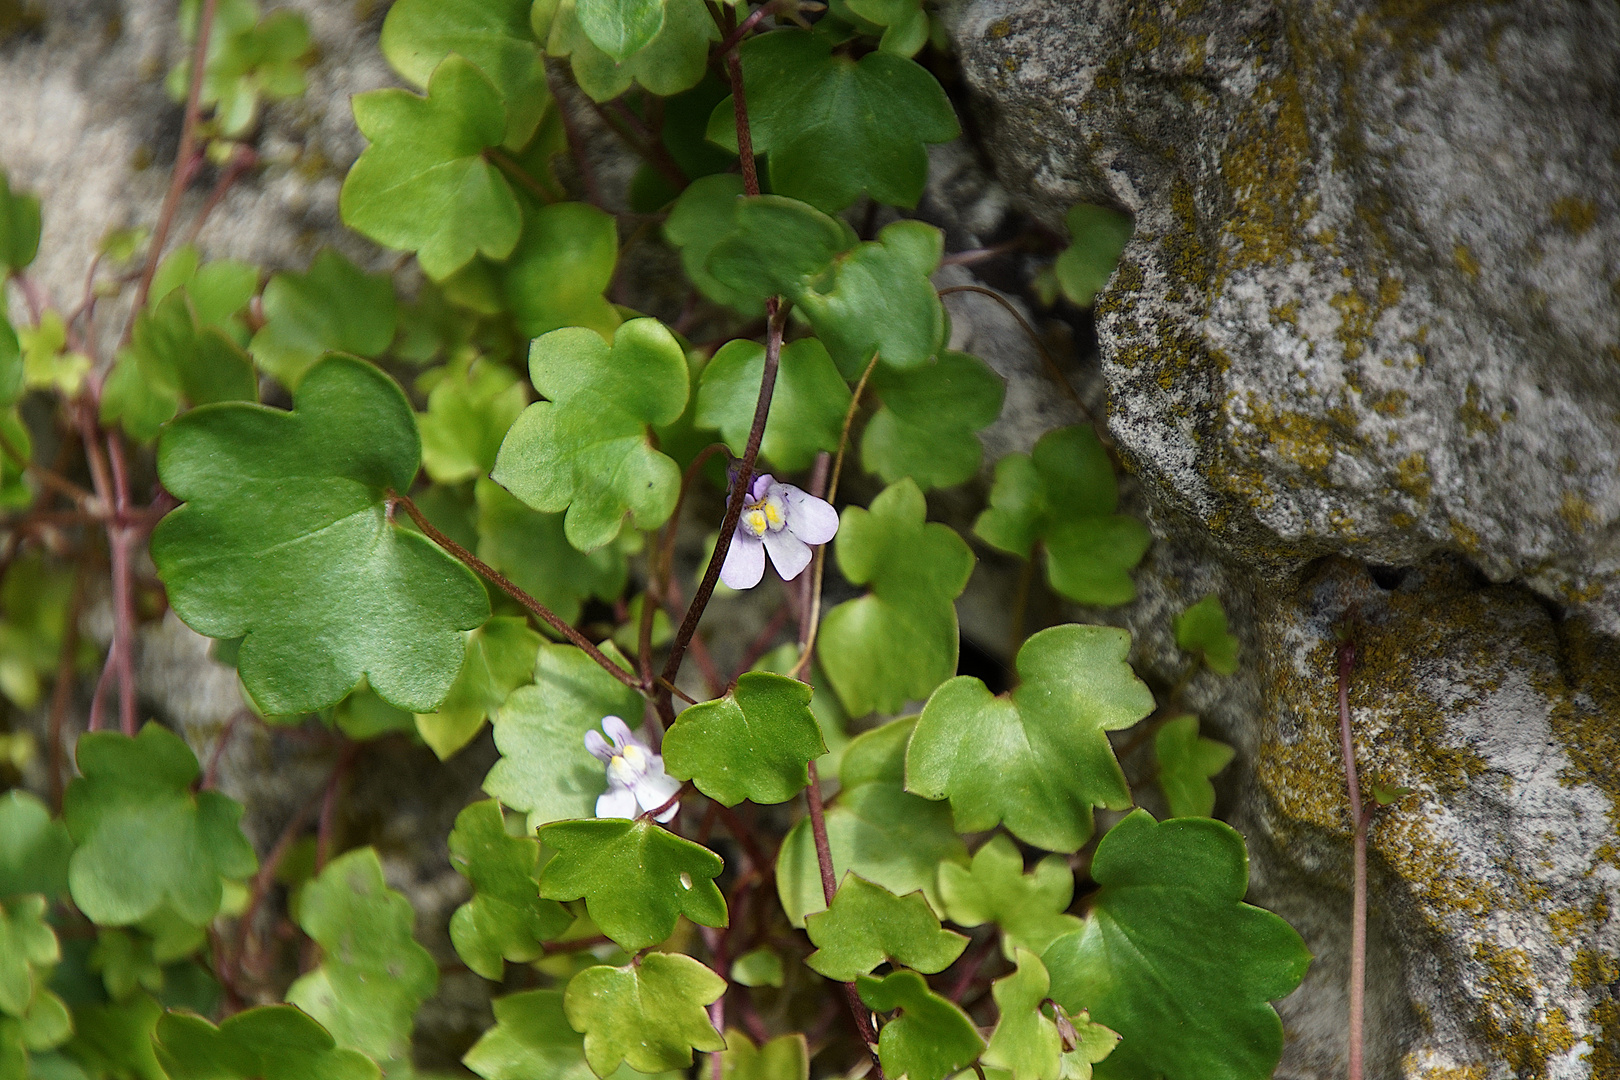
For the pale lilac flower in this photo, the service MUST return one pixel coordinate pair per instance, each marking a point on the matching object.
(781, 520)
(635, 774)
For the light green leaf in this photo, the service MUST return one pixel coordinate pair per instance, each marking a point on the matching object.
(674, 60)
(807, 406)
(868, 924)
(752, 744)
(648, 1015)
(12, 370)
(757, 967)
(1186, 762)
(506, 919)
(620, 28)
(705, 212)
(284, 538)
(833, 127)
(1097, 236)
(1173, 960)
(126, 963)
(1037, 758)
(901, 25)
(272, 1042)
(531, 1038)
(364, 715)
(875, 829)
(248, 59)
(1029, 908)
(531, 549)
(557, 273)
(1202, 629)
(145, 837)
(786, 1057)
(1093, 1042)
(1025, 1042)
(930, 1039)
(585, 449)
(47, 363)
(545, 770)
(34, 848)
(899, 641)
(500, 658)
(634, 877)
(1064, 493)
(423, 184)
(494, 34)
(469, 413)
(926, 428)
(373, 975)
(334, 307)
(19, 227)
(174, 357)
(28, 950)
(219, 290)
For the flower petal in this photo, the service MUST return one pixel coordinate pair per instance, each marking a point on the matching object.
(598, 747)
(619, 732)
(811, 519)
(745, 562)
(617, 801)
(656, 788)
(762, 483)
(788, 553)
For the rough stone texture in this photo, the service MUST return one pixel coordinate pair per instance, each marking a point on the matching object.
(1371, 310)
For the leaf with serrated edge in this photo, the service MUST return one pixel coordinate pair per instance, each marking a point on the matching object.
(930, 1039)
(868, 924)
(334, 307)
(506, 919)
(1025, 1042)
(996, 758)
(649, 1015)
(1202, 629)
(1029, 908)
(1172, 959)
(1186, 762)
(272, 1042)
(284, 538)
(752, 744)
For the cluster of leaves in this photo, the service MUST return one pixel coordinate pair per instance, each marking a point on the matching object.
(414, 535)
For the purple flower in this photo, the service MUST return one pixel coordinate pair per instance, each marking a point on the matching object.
(779, 519)
(635, 774)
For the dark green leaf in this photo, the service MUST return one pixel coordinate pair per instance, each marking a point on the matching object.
(674, 60)
(19, 227)
(500, 658)
(868, 924)
(1186, 762)
(272, 1042)
(1202, 629)
(752, 744)
(930, 1039)
(335, 307)
(114, 1042)
(530, 548)
(557, 273)
(506, 919)
(1097, 235)
(1037, 758)
(1025, 1043)
(145, 837)
(807, 406)
(1029, 908)
(649, 1015)
(126, 963)
(705, 212)
(926, 428)
(423, 184)
(34, 849)
(1173, 960)
(284, 538)
(634, 877)
(899, 641)
(11, 361)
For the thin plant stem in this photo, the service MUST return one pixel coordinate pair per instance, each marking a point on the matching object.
(543, 613)
(734, 38)
(1052, 368)
(1358, 909)
(120, 538)
(265, 877)
(62, 691)
(745, 138)
(243, 158)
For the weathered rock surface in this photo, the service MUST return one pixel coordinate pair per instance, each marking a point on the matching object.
(1372, 309)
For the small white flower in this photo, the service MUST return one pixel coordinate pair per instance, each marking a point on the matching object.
(635, 774)
(781, 520)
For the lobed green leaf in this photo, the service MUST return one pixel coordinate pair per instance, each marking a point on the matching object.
(272, 1042)
(754, 743)
(1186, 762)
(867, 924)
(506, 919)
(1030, 908)
(648, 1015)
(930, 1039)
(333, 307)
(926, 427)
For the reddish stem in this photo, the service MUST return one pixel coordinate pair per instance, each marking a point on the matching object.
(243, 158)
(745, 138)
(120, 539)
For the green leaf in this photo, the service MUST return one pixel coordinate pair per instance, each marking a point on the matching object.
(34, 603)
(758, 967)
(901, 24)
(926, 427)
(126, 963)
(423, 184)
(674, 60)
(930, 1039)
(1201, 629)
(500, 658)
(272, 1042)
(364, 715)
(899, 641)
(868, 924)
(620, 28)
(769, 244)
(1097, 235)
(545, 770)
(1173, 960)
(12, 370)
(1025, 1042)
(248, 58)
(334, 307)
(34, 849)
(284, 538)
(561, 266)
(1037, 758)
(875, 829)
(175, 357)
(115, 1041)
(1064, 493)
(634, 877)
(1093, 1042)
(1186, 762)
(752, 744)
(705, 212)
(833, 127)
(145, 837)
(586, 449)
(219, 290)
(469, 413)
(1029, 908)
(373, 975)
(786, 1057)
(19, 227)
(531, 1038)
(494, 34)
(807, 406)
(506, 919)
(28, 949)
(532, 550)
(649, 1015)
